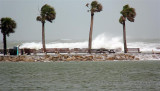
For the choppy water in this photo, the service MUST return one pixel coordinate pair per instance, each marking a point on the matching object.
(80, 76)
(101, 41)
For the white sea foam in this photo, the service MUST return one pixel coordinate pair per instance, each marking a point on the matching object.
(148, 56)
(146, 47)
(101, 41)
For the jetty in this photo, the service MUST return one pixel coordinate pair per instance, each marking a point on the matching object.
(28, 51)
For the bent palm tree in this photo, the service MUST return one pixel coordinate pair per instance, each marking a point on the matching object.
(7, 26)
(47, 13)
(130, 14)
(94, 7)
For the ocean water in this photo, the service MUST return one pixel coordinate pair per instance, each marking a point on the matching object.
(80, 76)
(100, 41)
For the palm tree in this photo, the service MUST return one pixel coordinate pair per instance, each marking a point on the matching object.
(7, 26)
(94, 7)
(47, 13)
(130, 14)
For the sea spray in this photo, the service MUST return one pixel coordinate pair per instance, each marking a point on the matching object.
(32, 45)
(145, 46)
(101, 41)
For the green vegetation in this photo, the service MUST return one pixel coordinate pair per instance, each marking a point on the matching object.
(94, 7)
(130, 14)
(47, 13)
(7, 26)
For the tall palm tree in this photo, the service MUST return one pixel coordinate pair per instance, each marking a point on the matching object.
(7, 26)
(130, 14)
(47, 13)
(94, 7)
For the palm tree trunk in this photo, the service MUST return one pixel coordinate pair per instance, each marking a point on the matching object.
(90, 34)
(4, 44)
(43, 38)
(124, 37)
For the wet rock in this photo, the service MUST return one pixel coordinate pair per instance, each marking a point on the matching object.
(5, 58)
(110, 58)
(71, 59)
(1, 58)
(13, 59)
(98, 57)
(47, 56)
(89, 58)
(55, 58)
(22, 58)
(65, 56)
(136, 58)
(29, 59)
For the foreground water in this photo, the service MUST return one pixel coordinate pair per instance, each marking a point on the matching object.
(80, 76)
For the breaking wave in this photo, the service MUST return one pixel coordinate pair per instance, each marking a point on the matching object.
(101, 41)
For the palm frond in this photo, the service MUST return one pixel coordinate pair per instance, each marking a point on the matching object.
(99, 7)
(95, 6)
(7, 25)
(87, 5)
(39, 18)
(122, 19)
(47, 13)
(128, 13)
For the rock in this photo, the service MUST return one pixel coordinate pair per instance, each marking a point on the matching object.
(131, 57)
(1, 58)
(84, 59)
(110, 58)
(99, 57)
(13, 59)
(50, 58)
(55, 58)
(89, 58)
(136, 58)
(98, 60)
(47, 59)
(47, 56)
(65, 56)
(5, 58)
(29, 59)
(22, 58)
(105, 55)
(70, 59)
(118, 57)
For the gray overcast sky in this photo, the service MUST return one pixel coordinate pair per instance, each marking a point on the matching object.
(73, 21)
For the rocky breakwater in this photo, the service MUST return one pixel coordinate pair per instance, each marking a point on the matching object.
(68, 57)
(17, 58)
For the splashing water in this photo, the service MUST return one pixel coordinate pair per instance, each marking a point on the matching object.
(101, 41)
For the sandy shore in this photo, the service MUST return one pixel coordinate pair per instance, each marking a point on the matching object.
(80, 57)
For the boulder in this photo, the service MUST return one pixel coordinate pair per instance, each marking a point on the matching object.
(70, 59)
(65, 56)
(110, 58)
(29, 59)
(55, 58)
(1, 58)
(13, 59)
(98, 57)
(136, 58)
(5, 58)
(22, 58)
(47, 56)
